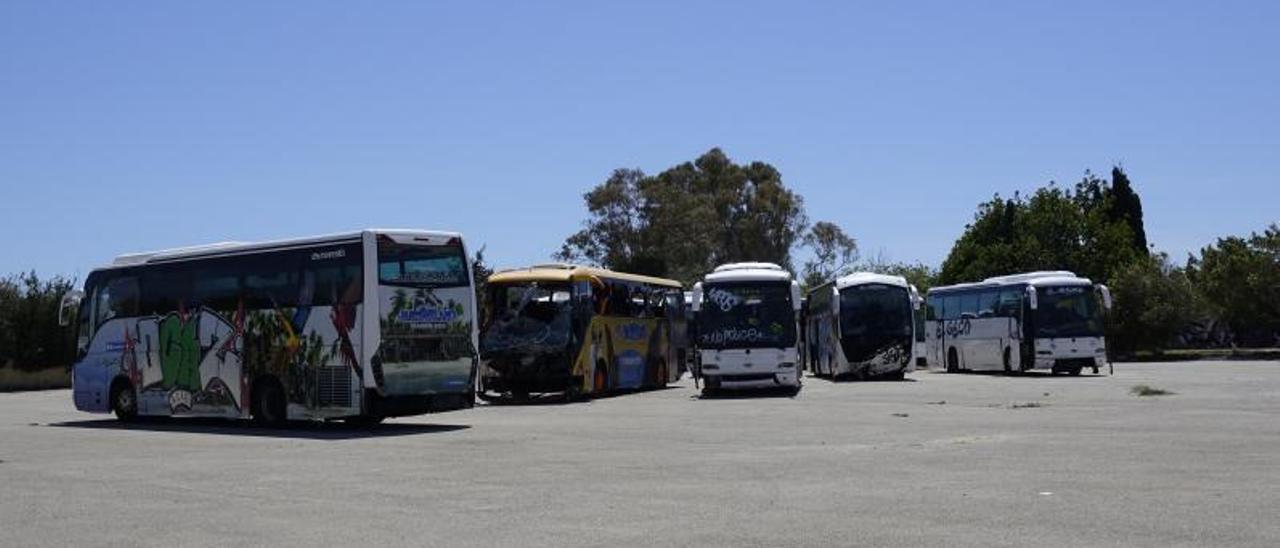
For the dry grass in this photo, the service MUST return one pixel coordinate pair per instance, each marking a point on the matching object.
(1027, 405)
(1145, 390)
(12, 380)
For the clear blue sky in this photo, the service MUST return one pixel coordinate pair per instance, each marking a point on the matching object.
(128, 126)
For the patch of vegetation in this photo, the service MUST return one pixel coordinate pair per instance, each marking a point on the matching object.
(1027, 405)
(1146, 390)
(901, 415)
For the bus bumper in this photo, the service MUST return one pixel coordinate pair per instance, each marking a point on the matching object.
(400, 406)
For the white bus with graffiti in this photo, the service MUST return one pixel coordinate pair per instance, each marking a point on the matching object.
(862, 325)
(1049, 320)
(746, 325)
(358, 326)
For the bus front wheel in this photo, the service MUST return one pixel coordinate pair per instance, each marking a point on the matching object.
(124, 403)
(1008, 361)
(953, 361)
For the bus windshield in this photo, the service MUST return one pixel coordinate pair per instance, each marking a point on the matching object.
(421, 265)
(535, 314)
(1067, 311)
(875, 310)
(747, 315)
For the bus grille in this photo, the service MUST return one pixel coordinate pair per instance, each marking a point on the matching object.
(334, 386)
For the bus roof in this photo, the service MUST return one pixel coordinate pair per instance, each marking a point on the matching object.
(561, 272)
(235, 248)
(748, 272)
(1034, 279)
(863, 278)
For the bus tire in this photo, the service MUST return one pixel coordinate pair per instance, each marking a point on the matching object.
(1075, 371)
(269, 406)
(953, 361)
(662, 374)
(1008, 361)
(600, 382)
(124, 401)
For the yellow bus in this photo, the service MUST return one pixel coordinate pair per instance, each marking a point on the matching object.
(579, 330)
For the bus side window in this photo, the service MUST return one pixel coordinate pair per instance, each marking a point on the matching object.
(969, 305)
(163, 288)
(932, 305)
(1009, 303)
(987, 303)
(951, 307)
(117, 299)
(215, 284)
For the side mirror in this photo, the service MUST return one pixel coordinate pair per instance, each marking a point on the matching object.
(916, 299)
(69, 306)
(1106, 296)
(1032, 303)
(696, 305)
(796, 299)
(835, 301)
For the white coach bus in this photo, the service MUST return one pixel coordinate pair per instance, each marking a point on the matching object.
(746, 323)
(862, 325)
(1037, 320)
(358, 326)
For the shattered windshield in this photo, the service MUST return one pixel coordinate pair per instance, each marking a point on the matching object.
(1067, 311)
(747, 315)
(527, 315)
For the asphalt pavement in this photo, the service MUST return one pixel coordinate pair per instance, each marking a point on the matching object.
(936, 460)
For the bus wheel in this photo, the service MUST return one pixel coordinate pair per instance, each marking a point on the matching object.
(1008, 361)
(600, 381)
(953, 361)
(1075, 371)
(124, 403)
(662, 374)
(269, 405)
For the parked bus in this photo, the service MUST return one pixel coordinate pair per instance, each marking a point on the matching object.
(578, 330)
(746, 318)
(1037, 320)
(862, 325)
(357, 326)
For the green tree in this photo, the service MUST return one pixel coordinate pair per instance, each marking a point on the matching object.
(1054, 229)
(1240, 279)
(1126, 206)
(480, 272)
(1154, 303)
(30, 337)
(686, 220)
(834, 252)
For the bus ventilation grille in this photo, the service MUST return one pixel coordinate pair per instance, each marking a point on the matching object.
(334, 386)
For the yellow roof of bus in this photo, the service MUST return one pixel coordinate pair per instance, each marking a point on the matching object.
(565, 273)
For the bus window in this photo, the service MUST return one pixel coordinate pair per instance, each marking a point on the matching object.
(162, 289)
(1009, 303)
(118, 298)
(969, 305)
(932, 305)
(951, 307)
(216, 286)
(987, 303)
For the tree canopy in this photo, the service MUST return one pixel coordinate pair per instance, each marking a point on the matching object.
(689, 218)
(1083, 230)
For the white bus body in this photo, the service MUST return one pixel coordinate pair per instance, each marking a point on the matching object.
(862, 325)
(365, 325)
(746, 318)
(1034, 321)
